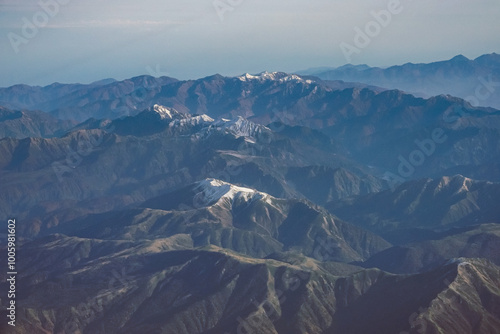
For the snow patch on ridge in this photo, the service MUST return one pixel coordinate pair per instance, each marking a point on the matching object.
(214, 190)
(166, 113)
(240, 127)
(276, 76)
(192, 121)
(458, 260)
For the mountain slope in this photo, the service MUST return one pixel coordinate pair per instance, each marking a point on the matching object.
(157, 290)
(459, 297)
(217, 213)
(424, 204)
(24, 124)
(322, 184)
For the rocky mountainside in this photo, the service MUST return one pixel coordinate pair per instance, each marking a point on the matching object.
(213, 212)
(74, 284)
(419, 207)
(105, 98)
(324, 184)
(147, 155)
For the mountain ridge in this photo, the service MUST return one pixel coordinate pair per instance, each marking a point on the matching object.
(472, 79)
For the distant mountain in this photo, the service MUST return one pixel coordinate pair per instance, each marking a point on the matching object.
(34, 97)
(477, 81)
(107, 286)
(419, 207)
(214, 95)
(377, 128)
(103, 99)
(24, 124)
(314, 70)
(341, 85)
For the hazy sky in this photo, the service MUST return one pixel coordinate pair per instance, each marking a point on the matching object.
(87, 40)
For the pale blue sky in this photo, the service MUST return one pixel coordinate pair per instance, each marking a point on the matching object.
(87, 40)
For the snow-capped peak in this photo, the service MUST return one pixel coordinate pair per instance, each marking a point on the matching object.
(167, 113)
(206, 125)
(240, 127)
(203, 120)
(213, 190)
(262, 76)
(278, 76)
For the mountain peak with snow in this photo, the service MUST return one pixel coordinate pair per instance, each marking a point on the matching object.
(180, 120)
(240, 127)
(212, 191)
(190, 121)
(274, 76)
(168, 113)
(205, 125)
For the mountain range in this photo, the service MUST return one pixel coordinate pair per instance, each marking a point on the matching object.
(266, 203)
(463, 202)
(74, 284)
(376, 128)
(475, 80)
